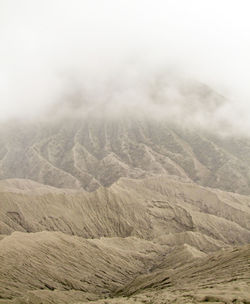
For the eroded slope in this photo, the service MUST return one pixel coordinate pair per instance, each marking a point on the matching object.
(88, 153)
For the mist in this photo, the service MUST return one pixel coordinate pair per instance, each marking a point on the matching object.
(113, 57)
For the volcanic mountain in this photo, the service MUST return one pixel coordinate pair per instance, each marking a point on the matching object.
(123, 209)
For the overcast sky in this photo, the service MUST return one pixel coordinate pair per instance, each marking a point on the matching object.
(46, 46)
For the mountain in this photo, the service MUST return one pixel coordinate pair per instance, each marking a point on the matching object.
(60, 245)
(124, 209)
(93, 152)
(151, 208)
(219, 278)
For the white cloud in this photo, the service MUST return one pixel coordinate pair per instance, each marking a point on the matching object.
(48, 48)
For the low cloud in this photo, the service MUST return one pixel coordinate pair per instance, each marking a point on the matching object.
(159, 58)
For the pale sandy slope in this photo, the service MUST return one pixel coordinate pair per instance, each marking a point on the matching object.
(153, 209)
(150, 230)
(51, 267)
(57, 265)
(223, 278)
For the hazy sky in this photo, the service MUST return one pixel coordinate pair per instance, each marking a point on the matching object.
(50, 48)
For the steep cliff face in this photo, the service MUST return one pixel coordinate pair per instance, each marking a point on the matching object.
(89, 153)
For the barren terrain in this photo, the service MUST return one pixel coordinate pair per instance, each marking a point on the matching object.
(123, 212)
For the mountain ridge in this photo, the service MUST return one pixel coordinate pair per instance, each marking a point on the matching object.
(88, 154)
(122, 211)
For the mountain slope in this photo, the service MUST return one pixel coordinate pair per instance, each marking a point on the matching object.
(138, 209)
(52, 267)
(148, 209)
(57, 266)
(65, 245)
(222, 277)
(88, 153)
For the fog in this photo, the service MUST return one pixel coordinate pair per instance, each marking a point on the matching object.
(74, 57)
